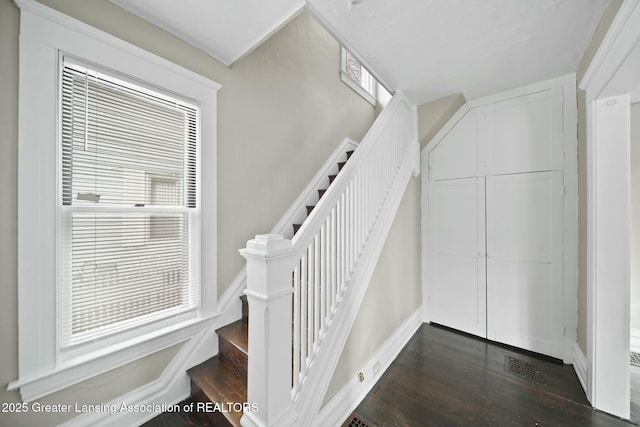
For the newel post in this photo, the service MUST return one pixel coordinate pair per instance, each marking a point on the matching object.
(270, 261)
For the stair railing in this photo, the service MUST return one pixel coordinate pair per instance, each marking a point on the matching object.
(304, 281)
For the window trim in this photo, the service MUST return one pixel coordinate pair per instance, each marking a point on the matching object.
(44, 33)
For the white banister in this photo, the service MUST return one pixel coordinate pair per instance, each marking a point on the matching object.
(326, 266)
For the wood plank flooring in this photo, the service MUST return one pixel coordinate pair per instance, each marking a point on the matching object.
(444, 378)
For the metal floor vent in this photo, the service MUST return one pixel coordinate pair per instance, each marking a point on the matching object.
(522, 369)
(635, 358)
(355, 422)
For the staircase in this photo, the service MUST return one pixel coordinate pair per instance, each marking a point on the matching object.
(223, 378)
(306, 280)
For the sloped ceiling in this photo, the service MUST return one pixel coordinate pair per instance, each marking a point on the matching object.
(225, 29)
(426, 48)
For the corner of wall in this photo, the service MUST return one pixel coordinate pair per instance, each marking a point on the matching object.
(433, 115)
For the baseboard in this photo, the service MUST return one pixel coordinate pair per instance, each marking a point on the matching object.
(581, 368)
(634, 340)
(171, 387)
(340, 406)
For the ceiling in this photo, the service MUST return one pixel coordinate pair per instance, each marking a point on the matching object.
(226, 30)
(426, 48)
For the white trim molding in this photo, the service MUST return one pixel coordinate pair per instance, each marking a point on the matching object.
(613, 73)
(580, 366)
(616, 47)
(171, 387)
(44, 34)
(338, 408)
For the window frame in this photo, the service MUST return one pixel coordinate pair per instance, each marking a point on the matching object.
(370, 96)
(45, 34)
(69, 347)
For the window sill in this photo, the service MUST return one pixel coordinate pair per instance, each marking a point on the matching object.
(357, 88)
(87, 366)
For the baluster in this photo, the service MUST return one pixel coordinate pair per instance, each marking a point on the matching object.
(354, 228)
(296, 328)
(316, 289)
(367, 199)
(304, 319)
(343, 237)
(362, 209)
(356, 194)
(310, 295)
(334, 272)
(348, 234)
(337, 243)
(323, 273)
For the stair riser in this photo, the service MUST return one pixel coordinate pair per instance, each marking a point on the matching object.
(234, 355)
(245, 308)
(210, 418)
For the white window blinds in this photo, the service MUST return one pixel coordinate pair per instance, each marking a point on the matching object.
(128, 202)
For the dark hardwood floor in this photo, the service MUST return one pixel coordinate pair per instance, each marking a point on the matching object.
(635, 394)
(444, 378)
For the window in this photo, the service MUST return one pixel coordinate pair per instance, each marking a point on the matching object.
(116, 200)
(358, 77)
(128, 209)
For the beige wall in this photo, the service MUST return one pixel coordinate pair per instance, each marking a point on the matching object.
(394, 292)
(435, 114)
(603, 27)
(282, 111)
(635, 216)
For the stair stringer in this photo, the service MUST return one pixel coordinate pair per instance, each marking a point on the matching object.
(309, 400)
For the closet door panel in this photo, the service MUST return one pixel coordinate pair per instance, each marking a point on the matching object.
(456, 156)
(525, 134)
(457, 267)
(524, 261)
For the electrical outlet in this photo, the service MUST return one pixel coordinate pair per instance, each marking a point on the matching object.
(376, 368)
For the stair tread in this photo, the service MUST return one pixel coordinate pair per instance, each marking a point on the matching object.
(237, 333)
(220, 382)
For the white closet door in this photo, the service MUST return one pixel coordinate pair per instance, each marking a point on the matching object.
(457, 241)
(524, 134)
(525, 261)
(456, 156)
